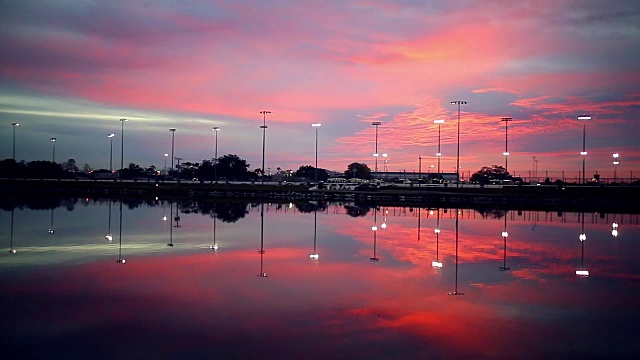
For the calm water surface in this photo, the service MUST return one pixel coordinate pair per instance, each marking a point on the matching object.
(316, 281)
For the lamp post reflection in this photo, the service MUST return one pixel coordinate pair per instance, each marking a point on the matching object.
(109, 236)
(374, 228)
(214, 246)
(51, 230)
(437, 265)
(120, 260)
(455, 291)
(177, 219)
(582, 271)
(12, 250)
(614, 227)
(315, 255)
(505, 234)
(261, 251)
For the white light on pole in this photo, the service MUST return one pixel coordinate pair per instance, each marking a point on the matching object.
(506, 142)
(122, 121)
(375, 154)
(110, 137)
(53, 151)
(216, 130)
(173, 138)
(316, 126)
(583, 153)
(14, 125)
(616, 156)
(264, 135)
(459, 103)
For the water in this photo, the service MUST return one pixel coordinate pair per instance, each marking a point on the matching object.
(157, 289)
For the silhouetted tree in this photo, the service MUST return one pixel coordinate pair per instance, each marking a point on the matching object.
(309, 172)
(70, 166)
(488, 173)
(358, 170)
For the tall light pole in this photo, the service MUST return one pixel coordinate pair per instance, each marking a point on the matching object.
(459, 103)
(15, 125)
(506, 142)
(173, 139)
(110, 137)
(375, 155)
(583, 153)
(122, 121)
(216, 129)
(53, 155)
(264, 134)
(439, 153)
(316, 126)
(165, 163)
(616, 156)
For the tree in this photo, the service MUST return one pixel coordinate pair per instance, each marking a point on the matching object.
(70, 166)
(358, 170)
(309, 172)
(232, 167)
(488, 173)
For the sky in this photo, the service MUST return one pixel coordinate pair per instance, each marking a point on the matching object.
(72, 69)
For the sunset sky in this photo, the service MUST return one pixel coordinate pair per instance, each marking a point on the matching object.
(72, 69)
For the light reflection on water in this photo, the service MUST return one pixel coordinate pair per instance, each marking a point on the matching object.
(177, 281)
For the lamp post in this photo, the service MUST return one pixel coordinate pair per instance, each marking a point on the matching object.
(15, 125)
(459, 103)
(375, 154)
(439, 154)
(173, 140)
(110, 137)
(616, 156)
(317, 127)
(506, 142)
(53, 143)
(264, 134)
(165, 163)
(216, 129)
(505, 235)
(122, 121)
(583, 153)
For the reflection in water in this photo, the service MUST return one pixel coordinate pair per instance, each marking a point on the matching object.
(437, 265)
(109, 236)
(261, 251)
(170, 244)
(582, 271)
(614, 227)
(505, 235)
(65, 296)
(315, 255)
(374, 228)
(12, 250)
(214, 246)
(51, 231)
(120, 260)
(455, 291)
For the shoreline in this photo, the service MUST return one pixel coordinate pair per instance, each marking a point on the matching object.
(544, 197)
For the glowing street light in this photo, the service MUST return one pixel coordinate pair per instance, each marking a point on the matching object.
(110, 137)
(216, 130)
(506, 142)
(122, 121)
(14, 125)
(459, 103)
(375, 154)
(53, 143)
(614, 229)
(173, 139)
(264, 134)
(616, 156)
(316, 126)
(439, 153)
(583, 153)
